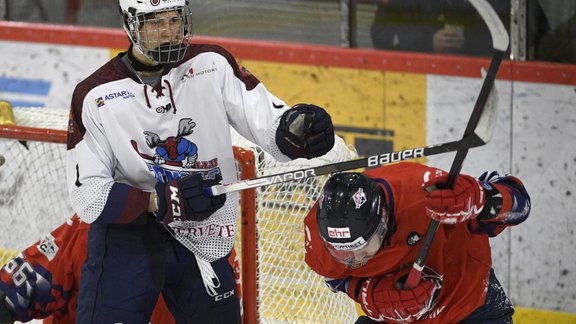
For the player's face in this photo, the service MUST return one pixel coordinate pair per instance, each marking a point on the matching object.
(359, 257)
(368, 251)
(162, 28)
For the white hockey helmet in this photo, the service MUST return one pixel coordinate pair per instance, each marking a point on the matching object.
(135, 13)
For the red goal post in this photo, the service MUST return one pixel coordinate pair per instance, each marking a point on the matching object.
(276, 284)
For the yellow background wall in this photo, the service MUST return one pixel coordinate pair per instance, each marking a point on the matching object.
(364, 104)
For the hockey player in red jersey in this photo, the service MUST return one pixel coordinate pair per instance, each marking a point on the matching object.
(364, 234)
(43, 280)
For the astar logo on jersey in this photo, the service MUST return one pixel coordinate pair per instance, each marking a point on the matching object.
(101, 101)
(175, 202)
(48, 247)
(413, 238)
(342, 232)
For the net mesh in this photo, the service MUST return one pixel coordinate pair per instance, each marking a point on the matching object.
(34, 200)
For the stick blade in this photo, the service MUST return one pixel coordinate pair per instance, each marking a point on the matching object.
(487, 122)
(500, 39)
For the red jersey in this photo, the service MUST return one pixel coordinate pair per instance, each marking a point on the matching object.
(43, 280)
(460, 253)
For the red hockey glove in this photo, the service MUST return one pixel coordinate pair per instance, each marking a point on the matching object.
(449, 206)
(186, 199)
(382, 299)
(305, 131)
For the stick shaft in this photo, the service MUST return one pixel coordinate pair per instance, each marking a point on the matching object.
(368, 162)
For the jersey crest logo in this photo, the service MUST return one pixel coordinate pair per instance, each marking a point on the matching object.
(413, 238)
(174, 151)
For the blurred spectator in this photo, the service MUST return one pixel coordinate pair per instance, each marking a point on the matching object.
(560, 44)
(434, 26)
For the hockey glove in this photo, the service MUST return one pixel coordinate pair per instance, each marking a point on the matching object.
(305, 131)
(186, 199)
(450, 206)
(382, 299)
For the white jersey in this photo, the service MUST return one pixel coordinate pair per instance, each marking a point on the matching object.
(125, 136)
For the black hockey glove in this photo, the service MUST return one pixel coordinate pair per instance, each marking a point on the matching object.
(186, 199)
(305, 131)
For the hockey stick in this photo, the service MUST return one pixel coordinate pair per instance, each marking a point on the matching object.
(500, 44)
(368, 162)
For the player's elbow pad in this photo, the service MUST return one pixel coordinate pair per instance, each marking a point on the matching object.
(89, 199)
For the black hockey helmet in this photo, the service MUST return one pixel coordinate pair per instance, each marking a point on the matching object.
(350, 211)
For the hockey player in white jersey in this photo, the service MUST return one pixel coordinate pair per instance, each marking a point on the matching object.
(148, 132)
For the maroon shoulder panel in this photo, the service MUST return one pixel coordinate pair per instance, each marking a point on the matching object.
(111, 71)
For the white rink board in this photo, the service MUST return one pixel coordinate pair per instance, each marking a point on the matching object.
(61, 66)
(535, 140)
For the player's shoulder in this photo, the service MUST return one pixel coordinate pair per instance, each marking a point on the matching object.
(111, 71)
(310, 219)
(210, 49)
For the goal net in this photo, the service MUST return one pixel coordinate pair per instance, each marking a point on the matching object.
(277, 286)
